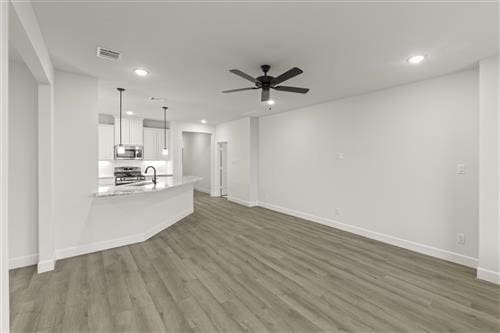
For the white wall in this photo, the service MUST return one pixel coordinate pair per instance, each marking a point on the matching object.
(23, 165)
(397, 181)
(196, 158)
(489, 172)
(254, 160)
(4, 166)
(242, 149)
(75, 163)
(175, 148)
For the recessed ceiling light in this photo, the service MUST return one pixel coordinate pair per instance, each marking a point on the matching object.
(416, 59)
(270, 102)
(141, 72)
(203, 121)
(130, 112)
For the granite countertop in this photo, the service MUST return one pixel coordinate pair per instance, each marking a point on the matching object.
(147, 176)
(145, 186)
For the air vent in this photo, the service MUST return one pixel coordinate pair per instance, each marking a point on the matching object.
(108, 54)
(157, 99)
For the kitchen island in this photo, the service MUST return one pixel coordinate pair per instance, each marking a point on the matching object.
(132, 213)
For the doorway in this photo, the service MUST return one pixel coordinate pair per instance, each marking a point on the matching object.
(196, 158)
(222, 157)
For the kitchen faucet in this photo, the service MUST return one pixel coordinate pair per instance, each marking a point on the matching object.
(154, 175)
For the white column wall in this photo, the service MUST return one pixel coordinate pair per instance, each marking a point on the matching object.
(254, 161)
(27, 38)
(23, 166)
(489, 171)
(4, 176)
(46, 247)
(75, 156)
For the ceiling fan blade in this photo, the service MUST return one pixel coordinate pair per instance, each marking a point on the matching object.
(240, 89)
(292, 89)
(243, 75)
(287, 75)
(265, 95)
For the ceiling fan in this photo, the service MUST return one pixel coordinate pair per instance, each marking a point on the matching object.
(266, 82)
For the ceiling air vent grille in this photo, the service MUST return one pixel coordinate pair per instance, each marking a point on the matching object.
(108, 54)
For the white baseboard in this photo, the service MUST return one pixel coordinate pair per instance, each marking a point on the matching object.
(46, 266)
(407, 244)
(243, 202)
(97, 246)
(49, 265)
(23, 261)
(487, 275)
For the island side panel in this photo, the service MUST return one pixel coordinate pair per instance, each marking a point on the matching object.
(121, 220)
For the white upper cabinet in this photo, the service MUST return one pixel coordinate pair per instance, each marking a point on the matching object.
(153, 144)
(149, 143)
(106, 142)
(135, 131)
(132, 131)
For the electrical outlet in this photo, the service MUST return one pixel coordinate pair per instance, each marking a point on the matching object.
(460, 169)
(460, 239)
(340, 156)
(337, 211)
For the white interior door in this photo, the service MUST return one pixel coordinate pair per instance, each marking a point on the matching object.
(222, 148)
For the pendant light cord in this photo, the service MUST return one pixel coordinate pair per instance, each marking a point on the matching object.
(120, 90)
(165, 127)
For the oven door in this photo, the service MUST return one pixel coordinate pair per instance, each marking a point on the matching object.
(130, 153)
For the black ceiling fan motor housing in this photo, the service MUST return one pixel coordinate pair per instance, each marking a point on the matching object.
(267, 82)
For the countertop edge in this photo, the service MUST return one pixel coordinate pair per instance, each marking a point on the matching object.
(190, 180)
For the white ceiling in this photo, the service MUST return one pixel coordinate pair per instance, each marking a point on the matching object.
(344, 49)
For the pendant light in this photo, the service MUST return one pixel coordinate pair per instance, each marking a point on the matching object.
(121, 147)
(165, 149)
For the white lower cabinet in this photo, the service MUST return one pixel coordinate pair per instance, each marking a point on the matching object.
(153, 144)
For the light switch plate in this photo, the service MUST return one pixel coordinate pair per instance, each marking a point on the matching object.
(460, 169)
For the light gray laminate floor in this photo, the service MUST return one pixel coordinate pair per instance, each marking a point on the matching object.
(231, 268)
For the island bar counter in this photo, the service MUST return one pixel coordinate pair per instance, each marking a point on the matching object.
(127, 214)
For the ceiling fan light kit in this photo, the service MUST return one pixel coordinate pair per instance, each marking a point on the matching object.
(267, 82)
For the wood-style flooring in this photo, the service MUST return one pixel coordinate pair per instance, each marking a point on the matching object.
(228, 268)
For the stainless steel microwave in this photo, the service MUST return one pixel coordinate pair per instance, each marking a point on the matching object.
(131, 152)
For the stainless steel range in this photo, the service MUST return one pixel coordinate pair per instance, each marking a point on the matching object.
(128, 175)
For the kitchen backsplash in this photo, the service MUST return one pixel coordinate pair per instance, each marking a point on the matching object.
(106, 168)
